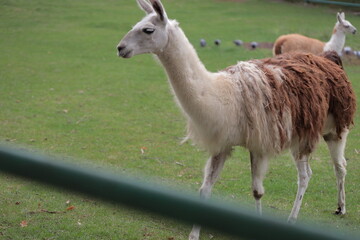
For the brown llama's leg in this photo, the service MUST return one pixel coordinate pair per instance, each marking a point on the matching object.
(337, 148)
(304, 175)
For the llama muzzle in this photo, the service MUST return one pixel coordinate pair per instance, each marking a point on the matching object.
(122, 52)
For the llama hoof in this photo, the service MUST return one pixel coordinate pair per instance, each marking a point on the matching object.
(195, 233)
(339, 211)
(292, 220)
(194, 237)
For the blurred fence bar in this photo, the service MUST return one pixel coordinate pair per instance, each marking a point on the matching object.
(236, 221)
(345, 4)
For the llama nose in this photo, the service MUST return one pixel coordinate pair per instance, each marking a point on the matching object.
(123, 51)
(119, 48)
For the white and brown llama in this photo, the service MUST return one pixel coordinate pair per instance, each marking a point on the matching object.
(297, 42)
(266, 106)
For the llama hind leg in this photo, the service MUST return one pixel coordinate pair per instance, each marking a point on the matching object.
(259, 165)
(304, 175)
(336, 148)
(212, 170)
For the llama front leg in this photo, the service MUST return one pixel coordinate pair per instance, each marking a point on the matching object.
(304, 175)
(337, 147)
(212, 170)
(259, 165)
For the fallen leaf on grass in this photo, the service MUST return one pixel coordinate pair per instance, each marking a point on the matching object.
(23, 223)
(70, 208)
(142, 149)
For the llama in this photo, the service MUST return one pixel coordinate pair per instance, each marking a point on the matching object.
(266, 106)
(297, 42)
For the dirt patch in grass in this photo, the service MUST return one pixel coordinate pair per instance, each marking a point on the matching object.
(350, 59)
(251, 45)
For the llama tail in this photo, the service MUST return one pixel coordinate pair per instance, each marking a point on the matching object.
(334, 57)
(278, 45)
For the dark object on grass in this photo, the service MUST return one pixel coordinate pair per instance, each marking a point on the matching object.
(238, 42)
(254, 45)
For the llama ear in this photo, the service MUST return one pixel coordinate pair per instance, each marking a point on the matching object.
(340, 17)
(144, 5)
(159, 9)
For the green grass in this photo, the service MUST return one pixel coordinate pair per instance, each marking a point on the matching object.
(64, 92)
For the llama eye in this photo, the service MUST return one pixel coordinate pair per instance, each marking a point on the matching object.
(346, 26)
(148, 30)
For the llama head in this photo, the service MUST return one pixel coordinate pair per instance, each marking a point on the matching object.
(344, 25)
(149, 35)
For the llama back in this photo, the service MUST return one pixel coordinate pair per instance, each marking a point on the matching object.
(297, 42)
(291, 96)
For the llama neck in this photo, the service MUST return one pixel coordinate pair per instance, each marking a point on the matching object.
(187, 75)
(336, 42)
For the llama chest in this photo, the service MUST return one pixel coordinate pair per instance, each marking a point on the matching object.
(241, 112)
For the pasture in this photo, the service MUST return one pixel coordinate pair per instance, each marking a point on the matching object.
(64, 92)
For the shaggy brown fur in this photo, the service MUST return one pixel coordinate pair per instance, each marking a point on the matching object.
(342, 97)
(312, 87)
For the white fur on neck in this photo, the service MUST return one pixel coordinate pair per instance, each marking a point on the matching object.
(186, 73)
(197, 91)
(336, 42)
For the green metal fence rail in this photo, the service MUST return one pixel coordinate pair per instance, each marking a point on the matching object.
(345, 4)
(236, 221)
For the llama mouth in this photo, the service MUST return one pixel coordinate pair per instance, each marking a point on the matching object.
(125, 54)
